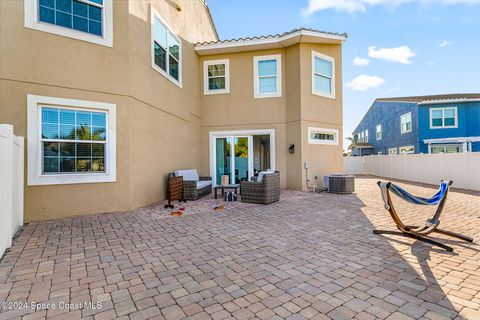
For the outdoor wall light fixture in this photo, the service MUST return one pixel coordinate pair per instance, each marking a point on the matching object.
(291, 148)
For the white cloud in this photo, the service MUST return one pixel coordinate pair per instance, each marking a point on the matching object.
(351, 6)
(445, 43)
(364, 82)
(400, 54)
(361, 61)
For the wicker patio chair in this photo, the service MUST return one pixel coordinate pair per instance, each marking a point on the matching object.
(265, 192)
(194, 187)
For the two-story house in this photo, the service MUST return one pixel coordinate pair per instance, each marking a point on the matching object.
(113, 95)
(447, 123)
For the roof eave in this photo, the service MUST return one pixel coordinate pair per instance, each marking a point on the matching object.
(447, 101)
(269, 42)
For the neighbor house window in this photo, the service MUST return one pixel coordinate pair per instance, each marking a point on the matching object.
(380, 153)
(267, 76)
(378, 132)
(70, 141)
(443, 118)
(406, 122)
(216, 74)
(448, 148)
(323, 75)
(166, 50)
(322, 136)
(87, 20)
(362, 136)
(406, 150)
(366, 135)
(392, 151)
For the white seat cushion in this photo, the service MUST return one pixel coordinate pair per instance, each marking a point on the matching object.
(203, 184)
(188, 175)
(261, 174)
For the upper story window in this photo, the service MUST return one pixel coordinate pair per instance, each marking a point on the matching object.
(267, 76)
(323, 75)
(166, 50)
(322, 136)
(366, 135)
(378, 132)
(216, 76)
(87, 20)
(443, 118)
(406, 122)
(70, 141)
(362, 137)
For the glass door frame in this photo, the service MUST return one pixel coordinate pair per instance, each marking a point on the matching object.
(238, 134)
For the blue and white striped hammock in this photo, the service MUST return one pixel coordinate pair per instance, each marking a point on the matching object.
(435, 199)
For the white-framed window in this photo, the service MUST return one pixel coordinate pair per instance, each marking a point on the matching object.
(378, 132)
(366, 135)
(406, 122)
(406, 150)
(267, 73)
(442, 118)
(322, 136)
(362, 136)
(166, 50)
(392, 151)
(323, 75)
(216, 76)
(70, 141)
(86, 20)
(446, 148)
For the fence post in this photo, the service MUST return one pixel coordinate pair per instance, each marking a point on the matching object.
(6, 192)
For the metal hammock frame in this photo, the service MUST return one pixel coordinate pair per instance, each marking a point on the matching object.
(419, 232)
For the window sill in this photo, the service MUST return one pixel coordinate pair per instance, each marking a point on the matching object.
(214, 92)
(176, 82)
(324, 95)
(76, 178)
(267, 95)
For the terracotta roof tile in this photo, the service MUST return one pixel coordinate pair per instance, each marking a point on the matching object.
(272, 36)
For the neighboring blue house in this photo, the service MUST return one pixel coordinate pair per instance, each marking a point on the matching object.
(447, 123)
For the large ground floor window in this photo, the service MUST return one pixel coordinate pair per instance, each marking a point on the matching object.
(70, 141)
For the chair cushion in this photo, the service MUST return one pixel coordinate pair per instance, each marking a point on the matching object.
(203, 184)
(261, 174)
(188, 175)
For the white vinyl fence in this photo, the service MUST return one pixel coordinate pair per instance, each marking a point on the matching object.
(462, 168)
(11, 185)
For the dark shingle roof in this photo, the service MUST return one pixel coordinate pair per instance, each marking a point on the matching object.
(431, 98)
(272, 36)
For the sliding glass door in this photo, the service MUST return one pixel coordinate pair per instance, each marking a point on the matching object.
(232, 158)
(239, 156)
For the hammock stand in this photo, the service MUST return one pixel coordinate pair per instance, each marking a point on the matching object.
(431, 225)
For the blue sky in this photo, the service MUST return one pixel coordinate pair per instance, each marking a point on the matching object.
(412, 47)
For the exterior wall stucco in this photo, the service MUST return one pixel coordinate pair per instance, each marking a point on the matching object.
(151, 110)
(160, 126)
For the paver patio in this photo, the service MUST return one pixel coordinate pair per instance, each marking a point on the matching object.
(307, 256)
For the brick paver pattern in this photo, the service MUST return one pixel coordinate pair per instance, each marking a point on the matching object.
(309, 256)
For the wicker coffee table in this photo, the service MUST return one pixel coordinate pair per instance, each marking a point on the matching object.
(234, 187)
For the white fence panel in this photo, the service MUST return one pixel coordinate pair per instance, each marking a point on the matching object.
(462, 168)
(11, 185)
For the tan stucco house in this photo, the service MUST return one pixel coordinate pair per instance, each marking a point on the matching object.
(113, 95)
